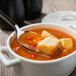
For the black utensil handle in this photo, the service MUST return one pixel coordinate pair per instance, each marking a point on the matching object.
(7, 19)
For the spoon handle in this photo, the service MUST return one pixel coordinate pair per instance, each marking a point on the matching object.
(7, 19)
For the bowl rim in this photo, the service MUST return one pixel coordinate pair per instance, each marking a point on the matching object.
(35, 61)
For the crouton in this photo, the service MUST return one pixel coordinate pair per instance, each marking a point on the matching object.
(67, 43)
(48, 46)
(45, 33)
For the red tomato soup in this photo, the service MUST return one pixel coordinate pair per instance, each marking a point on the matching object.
(20, 50)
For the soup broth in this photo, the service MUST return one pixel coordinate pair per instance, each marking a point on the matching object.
(20, 50)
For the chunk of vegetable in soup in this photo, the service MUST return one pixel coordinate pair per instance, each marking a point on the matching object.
(34, 39)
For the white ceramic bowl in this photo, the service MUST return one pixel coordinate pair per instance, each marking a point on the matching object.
(26, 67)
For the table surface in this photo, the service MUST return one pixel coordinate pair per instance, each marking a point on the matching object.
(49, 6)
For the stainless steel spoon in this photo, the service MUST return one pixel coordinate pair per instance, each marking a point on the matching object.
(19, 32)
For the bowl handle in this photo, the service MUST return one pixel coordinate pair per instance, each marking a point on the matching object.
(7, 62)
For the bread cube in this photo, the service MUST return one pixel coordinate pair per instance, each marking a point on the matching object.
(67, 43)
(45, 33)
(48, 46)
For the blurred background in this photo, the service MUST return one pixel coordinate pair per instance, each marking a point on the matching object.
(31, 11)
(25, 12)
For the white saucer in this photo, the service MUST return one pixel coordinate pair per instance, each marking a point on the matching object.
(66, 18)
